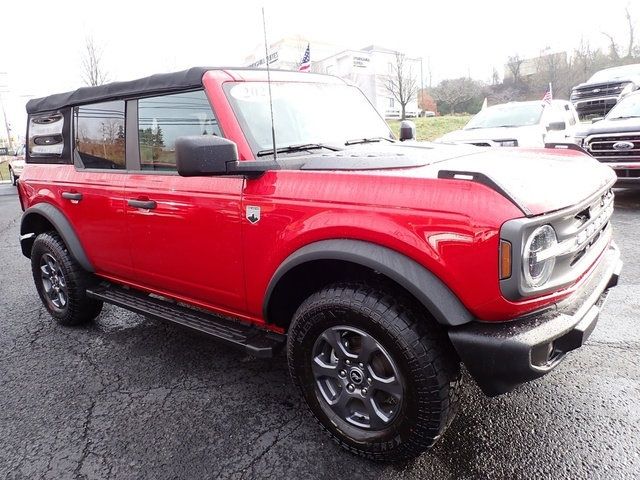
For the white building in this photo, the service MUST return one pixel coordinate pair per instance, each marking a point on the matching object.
(369, 69)
(287, 53)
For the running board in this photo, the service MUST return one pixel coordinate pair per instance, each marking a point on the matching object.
(255, 341)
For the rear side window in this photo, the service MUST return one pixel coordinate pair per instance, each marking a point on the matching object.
(100, 135)
(163, 119)
(45, 135)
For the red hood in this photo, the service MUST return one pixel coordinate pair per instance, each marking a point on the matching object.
(539, 180)
(536, 180)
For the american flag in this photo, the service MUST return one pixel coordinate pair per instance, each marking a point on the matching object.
(306, 61)
(548, 96)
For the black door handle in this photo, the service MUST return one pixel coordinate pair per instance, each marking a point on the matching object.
(145, 204)
(72, 196)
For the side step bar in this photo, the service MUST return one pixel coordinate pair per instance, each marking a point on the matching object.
(255, 341)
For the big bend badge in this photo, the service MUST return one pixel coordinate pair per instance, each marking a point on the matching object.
(253, 214)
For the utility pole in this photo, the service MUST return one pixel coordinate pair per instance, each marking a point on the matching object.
(4, 113)
(421, 96)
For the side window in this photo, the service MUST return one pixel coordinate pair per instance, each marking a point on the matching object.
(45, 135)
(100, 135)
(571, 119)
(163, 119)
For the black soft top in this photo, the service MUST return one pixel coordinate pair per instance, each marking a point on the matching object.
(159, 83)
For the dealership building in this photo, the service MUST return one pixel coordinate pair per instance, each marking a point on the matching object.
(368, 68)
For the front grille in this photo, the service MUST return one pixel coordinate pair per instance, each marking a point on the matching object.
(614, 147)
(611, 89)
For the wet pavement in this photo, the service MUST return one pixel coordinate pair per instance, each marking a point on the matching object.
(132, 398)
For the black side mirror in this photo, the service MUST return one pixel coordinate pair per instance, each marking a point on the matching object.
(596, 119)
(208, 155)
(407, 130)
(557, 126)
(204, 155)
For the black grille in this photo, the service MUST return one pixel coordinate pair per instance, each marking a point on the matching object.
(598, 90)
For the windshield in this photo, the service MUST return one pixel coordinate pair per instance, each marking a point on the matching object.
(507, 115)
(304, 113)
(615, 73)
(628, 107)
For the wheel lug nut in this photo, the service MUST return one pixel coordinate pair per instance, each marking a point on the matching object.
(347, 361)
(343, 373)
(370, 380)
(363, 391)
(361, 365)
(351, 388)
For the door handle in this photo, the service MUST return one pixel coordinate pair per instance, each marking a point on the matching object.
(72, 196)
(144, 204)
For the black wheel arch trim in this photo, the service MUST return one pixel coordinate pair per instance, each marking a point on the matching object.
(428, 289)
(61, 224)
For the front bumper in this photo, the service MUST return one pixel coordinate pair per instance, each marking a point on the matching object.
(501, 356)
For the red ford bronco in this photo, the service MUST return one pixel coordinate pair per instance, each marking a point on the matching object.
(261, 214)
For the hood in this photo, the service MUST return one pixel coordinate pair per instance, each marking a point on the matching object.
(614, 79)
(612, 126)
(536, 180)
(528, 136)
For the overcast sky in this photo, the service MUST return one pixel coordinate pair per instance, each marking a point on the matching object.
(42, 41)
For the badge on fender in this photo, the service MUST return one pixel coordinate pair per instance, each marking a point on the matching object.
(252, 214)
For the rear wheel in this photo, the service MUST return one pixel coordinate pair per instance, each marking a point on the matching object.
(61, 282)
(381, 380)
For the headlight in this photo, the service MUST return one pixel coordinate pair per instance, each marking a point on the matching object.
(537, 263)
(628, 89)
(508, 143)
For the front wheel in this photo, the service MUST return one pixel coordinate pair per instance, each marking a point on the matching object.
(61, 282)
(381, 380)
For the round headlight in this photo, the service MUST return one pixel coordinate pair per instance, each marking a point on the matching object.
(536, 271)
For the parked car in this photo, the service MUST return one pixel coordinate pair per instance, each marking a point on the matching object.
(518, 124)
(16, 164)
(615, 140)
(427, 113)
(381, 265)
(604, 89)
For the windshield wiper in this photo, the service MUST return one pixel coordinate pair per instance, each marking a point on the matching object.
(367, 140)
(624, 117)
(297, 148)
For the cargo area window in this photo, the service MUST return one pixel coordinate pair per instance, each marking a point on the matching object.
(163, 119)
(45, 135)
(99, 133)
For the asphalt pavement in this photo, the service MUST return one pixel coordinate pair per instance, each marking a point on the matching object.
(131, 398)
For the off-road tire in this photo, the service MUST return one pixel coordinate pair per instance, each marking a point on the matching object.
(419, 347)
(79, 308)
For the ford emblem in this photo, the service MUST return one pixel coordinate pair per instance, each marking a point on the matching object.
(623, 145)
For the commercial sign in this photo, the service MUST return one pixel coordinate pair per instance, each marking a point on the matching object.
(273, 57)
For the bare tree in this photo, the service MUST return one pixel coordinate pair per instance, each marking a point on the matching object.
(456, 92)
(513, 64)
(613, 47)
(401, 83)
(631, 27)
(93, 72)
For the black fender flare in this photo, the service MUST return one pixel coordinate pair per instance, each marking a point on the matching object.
(60, 223)
(428, 289)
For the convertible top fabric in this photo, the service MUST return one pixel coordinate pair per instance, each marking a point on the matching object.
(159, 83)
